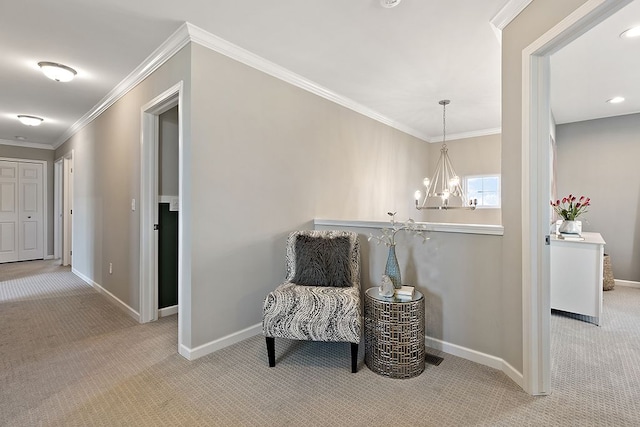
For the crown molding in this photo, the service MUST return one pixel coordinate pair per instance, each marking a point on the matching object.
(171, 46)
(26, 144)
(191, 33)
(507, 14)
(463, 135)
(252, 60)
(608, 116)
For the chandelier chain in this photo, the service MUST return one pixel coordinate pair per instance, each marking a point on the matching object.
(444, 125)
(444, 104)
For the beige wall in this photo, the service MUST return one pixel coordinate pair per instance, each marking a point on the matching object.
(268, 158)
(107, 178)
(470, 156)
(459, 276)
(534, 21)
(263, 158)
(599, 159)
(16, 152)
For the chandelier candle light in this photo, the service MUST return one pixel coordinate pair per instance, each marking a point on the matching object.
(443, 190)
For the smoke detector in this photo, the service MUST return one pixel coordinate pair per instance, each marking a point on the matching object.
(389, 3)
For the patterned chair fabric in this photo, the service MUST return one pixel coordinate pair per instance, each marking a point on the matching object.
(316, 313)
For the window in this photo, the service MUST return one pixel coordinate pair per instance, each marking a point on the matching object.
(484, 188)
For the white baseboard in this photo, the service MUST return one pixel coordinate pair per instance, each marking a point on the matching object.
(111, 297)
(456, 350)
(168, 311)
(512, 373)
(627, 283)
(215, 345)
(49, 257)
(478, 357)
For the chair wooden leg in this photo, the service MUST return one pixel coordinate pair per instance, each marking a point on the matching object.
(271, 351)
(354, 358)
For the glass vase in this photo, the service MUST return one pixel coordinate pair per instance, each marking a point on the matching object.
(393, 269)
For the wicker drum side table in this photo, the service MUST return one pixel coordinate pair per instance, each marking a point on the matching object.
(394, 334)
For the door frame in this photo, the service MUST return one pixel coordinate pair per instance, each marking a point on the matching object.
(58, 168)
(45, 198)
(67, 208)
(149, 147)
(536, 307)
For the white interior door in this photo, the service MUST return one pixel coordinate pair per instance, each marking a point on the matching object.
(8, 211)
(30, 212)
(21, 211)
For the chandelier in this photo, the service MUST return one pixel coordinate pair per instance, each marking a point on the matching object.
(443, 190)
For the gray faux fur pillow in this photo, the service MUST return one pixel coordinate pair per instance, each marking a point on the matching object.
(323, 261)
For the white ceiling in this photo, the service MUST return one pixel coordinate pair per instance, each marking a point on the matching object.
(596, 67)
(397, 62)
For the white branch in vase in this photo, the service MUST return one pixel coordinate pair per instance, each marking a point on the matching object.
(388, 236)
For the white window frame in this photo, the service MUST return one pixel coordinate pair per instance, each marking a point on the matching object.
(488, 175)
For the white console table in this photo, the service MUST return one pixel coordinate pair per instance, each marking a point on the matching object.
(577, 274)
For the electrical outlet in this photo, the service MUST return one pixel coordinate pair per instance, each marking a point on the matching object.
(110, 268)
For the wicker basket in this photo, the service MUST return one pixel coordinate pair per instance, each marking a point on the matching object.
(609, 282)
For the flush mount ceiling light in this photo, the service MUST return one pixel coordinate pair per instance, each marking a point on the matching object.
(389, 3)
(616, 100)
(30, 120)
(57, 72)
(631, 33)
(443, 190)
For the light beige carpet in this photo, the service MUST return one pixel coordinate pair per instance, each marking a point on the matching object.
(68, 357)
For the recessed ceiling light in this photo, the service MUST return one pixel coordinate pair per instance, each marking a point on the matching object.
(30, 120)
(20, 138)
(389, 3)
(616, 100)
(630, 33)
(57, 72)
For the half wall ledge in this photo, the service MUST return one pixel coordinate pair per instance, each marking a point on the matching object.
(441, 227)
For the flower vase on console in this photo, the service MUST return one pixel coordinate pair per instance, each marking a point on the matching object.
(570, 227)
(388, 237)
(570, 208)
(393, 269)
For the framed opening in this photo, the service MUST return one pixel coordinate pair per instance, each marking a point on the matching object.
(536, 308)
(150, 113)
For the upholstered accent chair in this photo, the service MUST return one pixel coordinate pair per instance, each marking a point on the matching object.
(320, 297)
